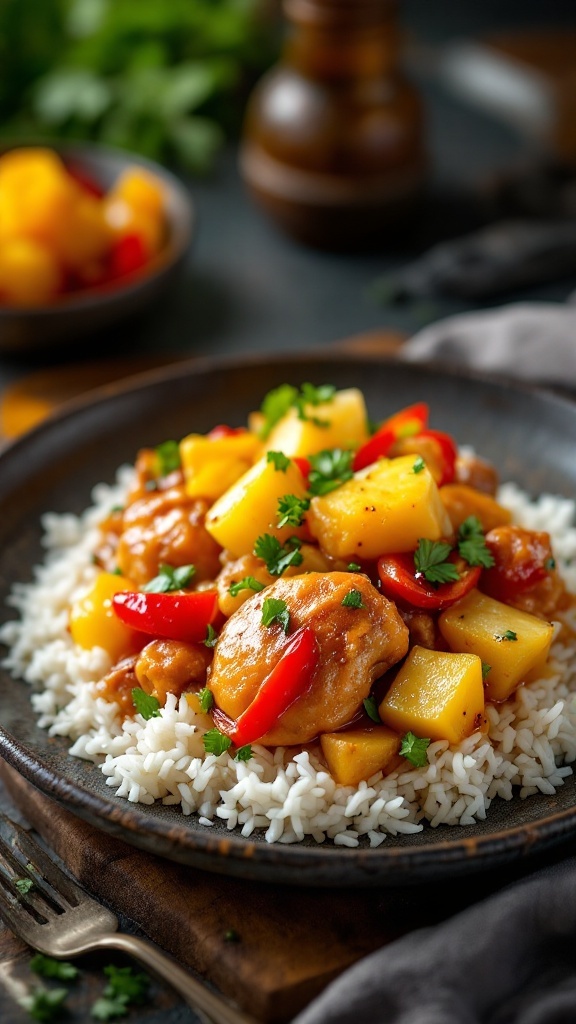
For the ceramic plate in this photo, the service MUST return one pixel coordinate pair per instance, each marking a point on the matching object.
(530, 437)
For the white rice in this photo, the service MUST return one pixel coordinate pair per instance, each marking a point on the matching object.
(529, 749)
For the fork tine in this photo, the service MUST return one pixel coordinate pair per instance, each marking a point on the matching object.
(49, 879)
(52, 884)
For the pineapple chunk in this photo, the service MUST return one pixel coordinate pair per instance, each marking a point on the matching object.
(346, 421)
(249, 508)
(358, 753)
(512, 642)
(92, 619)
(436, 695)
(212, 465)
(383, 509)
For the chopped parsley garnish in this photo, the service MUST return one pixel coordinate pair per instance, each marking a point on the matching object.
(430, 561)
(371, 709)
(281, 461)
(419, 465)
(550, 564)
(508, 635)
(274, 610)
(277, 556)
(215, 742)
(312, 395)
(354, 567)
(486, 668)
(145, 704)
(353, 599)
(243, 753)
(330, 469)
(48, 967)
(170, 578)
(44, 1004)
(125, 986)
(472, 543)
(275, 405)
(205, 699)
(211, 636)
(24, 885)
(168, 456)
(248, 583)
(414, 749)
(291, 510)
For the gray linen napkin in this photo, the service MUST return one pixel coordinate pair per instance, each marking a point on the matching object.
(530, 341)
(508, 960)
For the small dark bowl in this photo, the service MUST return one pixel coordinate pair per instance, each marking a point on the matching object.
(94, 309)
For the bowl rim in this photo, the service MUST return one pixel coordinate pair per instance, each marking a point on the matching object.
(172, 252)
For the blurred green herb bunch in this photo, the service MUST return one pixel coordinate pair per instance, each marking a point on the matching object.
(166, 78)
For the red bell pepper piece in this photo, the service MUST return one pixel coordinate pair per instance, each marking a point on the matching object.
(406, 423)
(288, 680)
(447, 453)
(172, 616)
(128, 255)
(303, 465)
(222, 430)
(522, 559)
(401, 583)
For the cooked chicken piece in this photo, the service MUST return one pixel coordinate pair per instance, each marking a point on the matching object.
(118, 683)
(166, 527)
(524, 574)
(477, 473)
(169, 666)
(356, 646)
(423, 629)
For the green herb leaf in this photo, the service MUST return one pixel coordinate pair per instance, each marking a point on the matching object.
(170, 578)
(24, 885)
(211, 636)
(125, 982)
(419, 465)
(278, 556)
(312, 395)
(215, 742)
(353, 599)
(168, 456)
(206, 699)
(145, 704)
(472, 543)
(354, 567)
(413, 748)
(330, 469)
(243, 753)
(280, 461)
(508, 635)
(430, 561)
(486, 668)
(291, 510)
(275, 611)
(550, 564)
(275, 405)
(109, 1007)
(248, 583)
(48, 967)
(44, 1004)
(371, 709)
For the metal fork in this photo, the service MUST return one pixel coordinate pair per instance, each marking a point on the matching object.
(59, 919)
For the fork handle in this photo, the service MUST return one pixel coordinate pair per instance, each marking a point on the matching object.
(196, 995)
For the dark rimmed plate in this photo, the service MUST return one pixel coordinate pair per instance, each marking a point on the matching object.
(528, 434)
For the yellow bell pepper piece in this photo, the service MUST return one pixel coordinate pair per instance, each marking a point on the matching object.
(93, 622)
(29, 272)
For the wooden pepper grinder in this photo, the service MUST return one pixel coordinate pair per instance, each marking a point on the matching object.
(333, 140)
